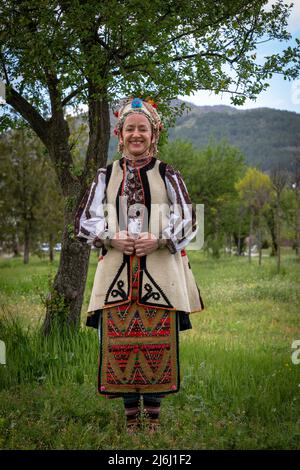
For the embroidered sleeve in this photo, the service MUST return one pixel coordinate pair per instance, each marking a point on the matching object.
(182, 226)
(90, 223)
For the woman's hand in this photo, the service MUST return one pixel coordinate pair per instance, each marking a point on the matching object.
(145, 244)
(123, 242)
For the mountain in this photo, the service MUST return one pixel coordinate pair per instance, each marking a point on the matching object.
(269, 138)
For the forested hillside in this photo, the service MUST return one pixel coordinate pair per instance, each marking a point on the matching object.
(268, 137)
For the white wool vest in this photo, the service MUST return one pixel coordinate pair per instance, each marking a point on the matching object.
(165, 280)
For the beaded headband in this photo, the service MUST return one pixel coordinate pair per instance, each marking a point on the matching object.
(135, 106)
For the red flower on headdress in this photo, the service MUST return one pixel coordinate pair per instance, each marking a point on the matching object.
(152, 102)
(116, 113)
(116, 132)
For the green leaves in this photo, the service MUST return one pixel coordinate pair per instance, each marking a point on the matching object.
(170, 48)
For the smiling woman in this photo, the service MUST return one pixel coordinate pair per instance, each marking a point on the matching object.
(136, 135)
(144, 289)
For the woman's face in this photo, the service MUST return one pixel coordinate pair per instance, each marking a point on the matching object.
(136, 135)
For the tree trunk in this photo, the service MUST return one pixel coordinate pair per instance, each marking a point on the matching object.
(239, 238)
(64, 301)
(270, 218)
(230, 244)
(51, 250)
(26, 244)
(278, 232)
(274, 243)
(297, 222)
(16, 245)
(239, 242)
(250, 237)
(259, 245)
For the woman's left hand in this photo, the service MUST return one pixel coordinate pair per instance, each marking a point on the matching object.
(145, 244)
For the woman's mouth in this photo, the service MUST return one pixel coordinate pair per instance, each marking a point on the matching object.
(136, 144)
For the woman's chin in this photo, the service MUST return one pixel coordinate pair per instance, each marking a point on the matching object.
(136, 152)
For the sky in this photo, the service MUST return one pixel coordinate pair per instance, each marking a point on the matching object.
(281, 94)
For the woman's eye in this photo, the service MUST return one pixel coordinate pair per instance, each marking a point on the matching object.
(131, 129)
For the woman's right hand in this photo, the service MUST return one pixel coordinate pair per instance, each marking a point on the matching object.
(123, 242)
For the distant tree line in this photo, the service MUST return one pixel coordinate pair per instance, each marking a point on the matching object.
(31, 207)
(240, 202)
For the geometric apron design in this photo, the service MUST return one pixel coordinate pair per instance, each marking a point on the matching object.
(139, 350)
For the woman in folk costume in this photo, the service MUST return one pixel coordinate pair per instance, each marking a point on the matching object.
(139, 212)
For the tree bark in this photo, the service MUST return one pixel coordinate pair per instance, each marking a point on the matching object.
(259, 246)
(51, 250)
(297, 222)
(270, 218)
(230, 243)
(64, 301)
(15, 244)
(26, 244)
(250, 236)
(65, 298)
(278, 232)
(238, 238)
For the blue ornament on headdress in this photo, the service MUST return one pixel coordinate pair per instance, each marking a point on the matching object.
(136, 103)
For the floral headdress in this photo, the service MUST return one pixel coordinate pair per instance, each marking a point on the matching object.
(146, 107)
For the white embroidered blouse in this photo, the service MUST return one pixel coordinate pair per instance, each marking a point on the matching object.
(92, 226)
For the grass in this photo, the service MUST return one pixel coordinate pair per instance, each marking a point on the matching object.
(239, 387)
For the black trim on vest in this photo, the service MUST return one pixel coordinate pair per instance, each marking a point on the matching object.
(108, 173)
(162, 170)
(121, 161)
(147, 195)
(119, 192)
(103, 250)
(116, 287)
(200, 298)
(158, 295)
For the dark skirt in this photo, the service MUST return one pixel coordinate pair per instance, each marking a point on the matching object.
(184, 320)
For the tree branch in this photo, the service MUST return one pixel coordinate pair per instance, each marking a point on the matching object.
(4, 69)
(29, 113)
(177, 58)
(68, 98)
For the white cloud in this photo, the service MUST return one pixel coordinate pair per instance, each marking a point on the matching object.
(280, 94)
(294, 20)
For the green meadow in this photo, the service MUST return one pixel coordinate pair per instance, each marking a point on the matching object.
(239, 386)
